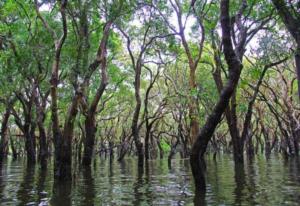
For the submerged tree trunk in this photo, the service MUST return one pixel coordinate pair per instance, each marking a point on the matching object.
(147, 140)
(4, 136)
(64, 164)
(43, 144)
(234, 67)
(30, 142)
(89, 141)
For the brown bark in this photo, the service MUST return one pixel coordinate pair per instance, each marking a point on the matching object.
(234, 67)
(193, 63)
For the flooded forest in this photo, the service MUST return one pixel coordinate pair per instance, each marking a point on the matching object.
(149, 102)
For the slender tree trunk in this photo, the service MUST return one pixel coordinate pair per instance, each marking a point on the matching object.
(135, 119)
(43, 144)
(90, 126)
(13, 149)
(147, 140)
(193, 105)
(235, 67)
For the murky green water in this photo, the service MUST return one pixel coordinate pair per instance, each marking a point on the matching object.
(273, 182)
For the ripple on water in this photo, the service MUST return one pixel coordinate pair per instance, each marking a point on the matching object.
(273, 182)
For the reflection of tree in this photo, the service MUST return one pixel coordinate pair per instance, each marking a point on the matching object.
(41, 183)
(199, 198)
(138, 195)
(88, 187)
(24, 193)
(2, 184)
(110, 181)
(148, 190)
(252, 185)
(61, 193)
(294, 171)
(240, 181)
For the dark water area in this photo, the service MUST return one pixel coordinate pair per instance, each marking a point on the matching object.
(260, 182)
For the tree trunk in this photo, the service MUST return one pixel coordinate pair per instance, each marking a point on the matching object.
(4, 136)
(13, 149)
(90, 126)
(63, 163)
(235, 67)
(89, 141)
(43, 144)
(135, 119)
(193, 107)
(29, 128)
(147, 141)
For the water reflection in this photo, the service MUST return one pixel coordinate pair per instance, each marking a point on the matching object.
(87, 188)
(259, 182)
(26, 193)
(240, 181)
(61, 193)
(41, 186)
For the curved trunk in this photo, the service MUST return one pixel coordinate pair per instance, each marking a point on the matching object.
(235, 67)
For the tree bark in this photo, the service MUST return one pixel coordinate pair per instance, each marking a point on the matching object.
(234, 67)
(135, 119)
(4, 136)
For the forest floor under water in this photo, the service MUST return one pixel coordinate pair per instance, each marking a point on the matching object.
(260, 182)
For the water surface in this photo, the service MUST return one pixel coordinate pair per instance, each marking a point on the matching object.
(260, 182)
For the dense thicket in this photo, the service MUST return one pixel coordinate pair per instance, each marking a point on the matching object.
(81, 79)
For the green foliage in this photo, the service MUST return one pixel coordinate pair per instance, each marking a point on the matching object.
(165, 146)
